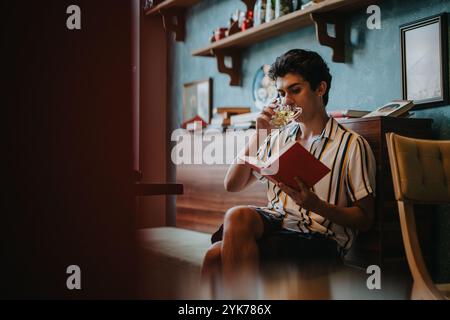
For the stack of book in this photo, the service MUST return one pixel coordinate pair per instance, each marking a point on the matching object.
(244, 121)
(222, 115)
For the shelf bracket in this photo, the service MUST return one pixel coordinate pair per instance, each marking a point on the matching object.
(178, 27)
(336, 43)
(235, 70)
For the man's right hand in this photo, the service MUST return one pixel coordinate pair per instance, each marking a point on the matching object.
(263, 121)
(238, 175)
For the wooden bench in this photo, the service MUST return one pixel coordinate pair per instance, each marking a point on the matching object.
(170, 262)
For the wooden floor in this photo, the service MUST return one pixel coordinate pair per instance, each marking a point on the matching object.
(310, 283)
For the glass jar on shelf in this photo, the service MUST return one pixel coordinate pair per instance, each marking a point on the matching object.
(282, 7)
(297, 5)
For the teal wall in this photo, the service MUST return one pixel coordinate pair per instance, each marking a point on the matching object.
(370, 78)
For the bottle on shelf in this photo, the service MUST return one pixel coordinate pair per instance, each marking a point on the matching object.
(259, 12)
(297, 4)
(270, 10)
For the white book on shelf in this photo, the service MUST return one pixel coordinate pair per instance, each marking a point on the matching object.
(245, 117)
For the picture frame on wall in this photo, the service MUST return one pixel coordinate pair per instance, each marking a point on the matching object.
(197, 100)
(424, 57)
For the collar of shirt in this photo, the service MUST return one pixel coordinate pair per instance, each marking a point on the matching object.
(328, 132)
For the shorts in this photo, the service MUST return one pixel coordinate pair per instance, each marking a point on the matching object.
(279, 244)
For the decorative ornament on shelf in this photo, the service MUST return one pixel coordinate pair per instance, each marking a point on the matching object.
(264, 89)
(220, 33)
(248, 21)
(148, 4)
(296, 5)
(234, 27)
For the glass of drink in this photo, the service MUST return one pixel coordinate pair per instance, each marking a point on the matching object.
(284, 114)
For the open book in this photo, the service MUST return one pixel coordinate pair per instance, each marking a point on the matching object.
(395, 108)
(293, 160)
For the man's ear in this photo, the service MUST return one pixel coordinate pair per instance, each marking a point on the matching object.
(321, 89)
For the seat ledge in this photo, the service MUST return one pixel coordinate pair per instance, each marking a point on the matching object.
(445, 289)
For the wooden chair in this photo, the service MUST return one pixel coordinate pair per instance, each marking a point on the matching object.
(421, 174)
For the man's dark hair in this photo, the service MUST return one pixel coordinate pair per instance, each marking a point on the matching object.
(308, 64)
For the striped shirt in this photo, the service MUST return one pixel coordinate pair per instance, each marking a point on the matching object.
(351, 177)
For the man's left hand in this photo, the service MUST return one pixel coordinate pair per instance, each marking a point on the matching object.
(302, 195)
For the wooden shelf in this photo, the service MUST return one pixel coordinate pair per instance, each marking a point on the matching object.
(171, 4)
(328, 12)
(284, 24)
(173, 13)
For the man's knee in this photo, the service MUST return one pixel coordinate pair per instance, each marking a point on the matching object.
(243, 220)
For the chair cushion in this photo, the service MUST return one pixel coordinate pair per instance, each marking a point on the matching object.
(185, 246)
(424, 169)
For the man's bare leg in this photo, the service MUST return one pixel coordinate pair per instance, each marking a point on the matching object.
(212, 262)
(211, 274)
(240, 255)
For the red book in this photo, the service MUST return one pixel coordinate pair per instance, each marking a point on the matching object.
(192, 120)
(293, 160)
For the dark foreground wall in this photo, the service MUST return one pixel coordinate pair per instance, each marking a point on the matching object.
(67, 176)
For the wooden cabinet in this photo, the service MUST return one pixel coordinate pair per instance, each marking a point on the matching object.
(205, 200)
(383, 245)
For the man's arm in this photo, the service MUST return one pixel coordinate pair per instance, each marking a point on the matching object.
(238, 175)
(359, 216)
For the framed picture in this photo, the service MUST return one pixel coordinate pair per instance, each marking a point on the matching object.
(424, 50)
(197, 100)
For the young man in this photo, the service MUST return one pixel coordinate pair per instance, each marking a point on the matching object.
(321, 222)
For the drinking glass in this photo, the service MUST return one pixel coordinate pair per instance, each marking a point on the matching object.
(284, 113)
